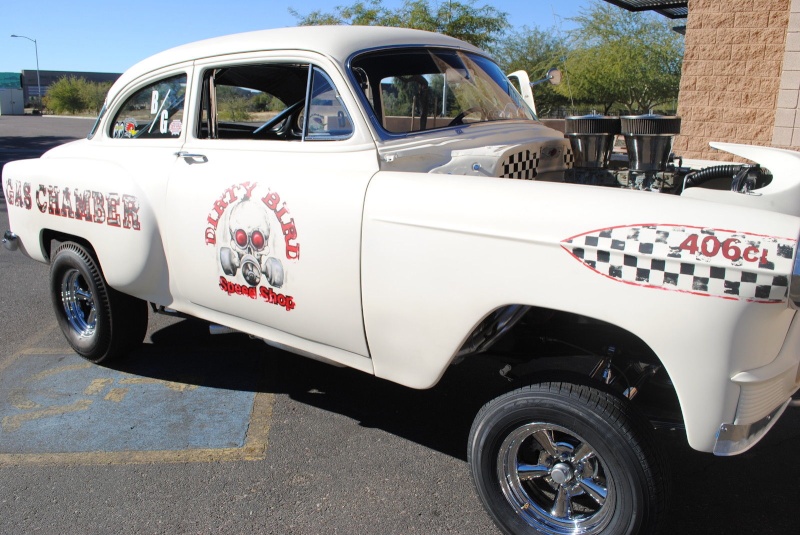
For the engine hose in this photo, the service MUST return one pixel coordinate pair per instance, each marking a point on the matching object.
(709, 173)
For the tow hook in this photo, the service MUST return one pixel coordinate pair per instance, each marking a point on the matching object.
(10, 241)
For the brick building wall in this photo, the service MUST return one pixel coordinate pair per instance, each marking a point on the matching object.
(733, 80)
(787, 115)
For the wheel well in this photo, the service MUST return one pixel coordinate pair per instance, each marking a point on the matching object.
(546, 342)
(49, 236)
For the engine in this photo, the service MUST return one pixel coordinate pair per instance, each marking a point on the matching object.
(648, 163)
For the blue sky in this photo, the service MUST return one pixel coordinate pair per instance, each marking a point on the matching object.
(110, 36)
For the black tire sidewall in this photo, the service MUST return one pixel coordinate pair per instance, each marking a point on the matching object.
(611, 442)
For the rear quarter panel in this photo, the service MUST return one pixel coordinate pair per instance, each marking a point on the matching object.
(94, 200)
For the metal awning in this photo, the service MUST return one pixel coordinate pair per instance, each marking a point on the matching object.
(674, 9)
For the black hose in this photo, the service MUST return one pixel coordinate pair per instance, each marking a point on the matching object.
(710, 173)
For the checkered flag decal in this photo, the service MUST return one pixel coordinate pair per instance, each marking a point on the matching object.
(569, 158)
(521, 165)
(746, 267)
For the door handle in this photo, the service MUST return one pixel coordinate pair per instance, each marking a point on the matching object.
(191, 157)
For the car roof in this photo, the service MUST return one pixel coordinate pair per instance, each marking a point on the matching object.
(336, 42)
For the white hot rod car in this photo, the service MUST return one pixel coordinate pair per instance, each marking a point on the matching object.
(384, 199)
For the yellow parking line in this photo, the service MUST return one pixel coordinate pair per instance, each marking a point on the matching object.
(254, 448)
(12, 423)
(29, 344)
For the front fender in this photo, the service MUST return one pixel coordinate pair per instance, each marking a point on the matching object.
(441, 252)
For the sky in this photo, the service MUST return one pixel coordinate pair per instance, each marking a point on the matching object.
(110, 35)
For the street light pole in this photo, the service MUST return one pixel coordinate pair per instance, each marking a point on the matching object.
(38, 80)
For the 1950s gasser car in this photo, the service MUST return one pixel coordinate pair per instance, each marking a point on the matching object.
(384, 199)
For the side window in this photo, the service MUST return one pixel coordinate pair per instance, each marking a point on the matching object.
(155, 111)
(327, 116)
(269, 101)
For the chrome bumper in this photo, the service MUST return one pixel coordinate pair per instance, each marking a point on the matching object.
(733, 439)
(10, 241)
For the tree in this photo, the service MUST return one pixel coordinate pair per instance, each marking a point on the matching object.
(482, 26)
(535, 51)
(67, 95)
(71, 94)
(619, 57)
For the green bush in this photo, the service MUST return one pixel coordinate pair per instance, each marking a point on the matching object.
(71, 95)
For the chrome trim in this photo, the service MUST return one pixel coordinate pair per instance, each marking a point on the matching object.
(214, 329)
(734, 439)
(10, 241)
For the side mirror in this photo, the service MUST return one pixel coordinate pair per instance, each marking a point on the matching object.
(553, 76)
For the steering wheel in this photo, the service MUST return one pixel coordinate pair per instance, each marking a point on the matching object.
(269, 125)
(459, 119)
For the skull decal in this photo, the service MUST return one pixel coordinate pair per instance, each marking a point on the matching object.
(249, 233)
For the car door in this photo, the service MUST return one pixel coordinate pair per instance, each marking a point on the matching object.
(267, 197)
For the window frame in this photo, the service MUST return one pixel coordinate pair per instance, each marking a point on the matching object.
(140, 85)
(207, 99)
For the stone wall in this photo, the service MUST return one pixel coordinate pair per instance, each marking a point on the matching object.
(732, 74)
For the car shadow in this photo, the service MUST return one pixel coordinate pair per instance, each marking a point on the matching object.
(746, 494)
(438, 418)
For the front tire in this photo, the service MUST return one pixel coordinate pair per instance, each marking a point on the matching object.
(99, 322)
(559, 458)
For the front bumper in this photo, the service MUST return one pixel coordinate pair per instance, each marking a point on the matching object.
(764, 393)
(733, 439)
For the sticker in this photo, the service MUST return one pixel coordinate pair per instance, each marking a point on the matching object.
(175, 127)
(255, 239)
(125, 128)
(703, 261)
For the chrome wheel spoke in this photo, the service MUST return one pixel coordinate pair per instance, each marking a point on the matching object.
(594, 490)
(545, 439)
(528, 472)
(562, 508)
(82, 294)
(583, 453)
(91, 317)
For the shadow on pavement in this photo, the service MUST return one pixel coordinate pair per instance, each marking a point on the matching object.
(744, 494)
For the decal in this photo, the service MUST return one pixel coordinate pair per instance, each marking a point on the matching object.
(316, 123)
(521, 165)
(175, 127)
(125, 128)
(254, 236)
(113, 209)
(702, 261)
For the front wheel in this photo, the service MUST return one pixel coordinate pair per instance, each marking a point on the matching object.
(99, 322)
(561, 458)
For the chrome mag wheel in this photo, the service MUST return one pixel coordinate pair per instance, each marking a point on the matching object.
(79, 305)
(555, 480)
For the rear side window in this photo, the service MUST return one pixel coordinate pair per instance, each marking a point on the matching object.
(155, 111)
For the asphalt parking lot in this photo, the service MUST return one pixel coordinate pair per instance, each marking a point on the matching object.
(194, 433)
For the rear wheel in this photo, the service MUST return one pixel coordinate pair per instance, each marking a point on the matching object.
(560, 458)
(99, 322)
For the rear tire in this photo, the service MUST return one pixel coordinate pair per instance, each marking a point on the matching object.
(556, 458)
(99, 322)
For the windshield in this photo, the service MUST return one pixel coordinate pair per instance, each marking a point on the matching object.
(412, 90)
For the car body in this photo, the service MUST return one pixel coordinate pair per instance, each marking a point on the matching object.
(357, 218)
